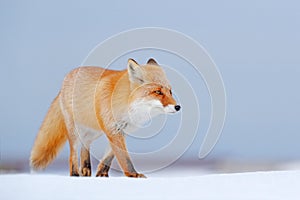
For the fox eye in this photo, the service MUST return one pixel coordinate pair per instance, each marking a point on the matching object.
(158, 92)
(171, 92)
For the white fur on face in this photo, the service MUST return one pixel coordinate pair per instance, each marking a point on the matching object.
(143, 110)
(170, 108)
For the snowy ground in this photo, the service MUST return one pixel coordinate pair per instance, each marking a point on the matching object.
(253, 185)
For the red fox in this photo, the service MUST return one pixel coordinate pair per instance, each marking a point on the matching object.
(93, 101)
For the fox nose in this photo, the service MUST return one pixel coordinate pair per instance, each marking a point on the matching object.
(177, 107)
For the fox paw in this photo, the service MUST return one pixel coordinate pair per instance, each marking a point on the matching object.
(135, 175)
(74, 174)
(102, 174)
(103, 170)
(86, 171)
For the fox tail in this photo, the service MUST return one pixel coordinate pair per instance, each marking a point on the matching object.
(50, 139)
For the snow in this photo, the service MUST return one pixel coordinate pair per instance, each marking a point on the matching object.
(254, 185)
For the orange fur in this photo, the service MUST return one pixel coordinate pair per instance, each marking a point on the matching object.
(93, 101)
(50, 139)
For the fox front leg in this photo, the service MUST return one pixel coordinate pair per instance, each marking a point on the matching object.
(118, 145)
(105, 163)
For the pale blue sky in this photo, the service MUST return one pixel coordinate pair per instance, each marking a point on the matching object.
(255, 44)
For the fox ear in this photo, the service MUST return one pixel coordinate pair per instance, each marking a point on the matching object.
(135, 72)
(151, 61)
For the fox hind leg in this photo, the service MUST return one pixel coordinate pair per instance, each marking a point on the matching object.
(85, 161)
(73, 161)
(73, 142)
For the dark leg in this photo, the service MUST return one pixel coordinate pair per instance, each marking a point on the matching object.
(105, 163)
(85, 161)
(73, 161)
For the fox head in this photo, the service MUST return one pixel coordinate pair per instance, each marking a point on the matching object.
(151, 91)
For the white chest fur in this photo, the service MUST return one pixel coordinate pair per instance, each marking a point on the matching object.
(140, 112)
